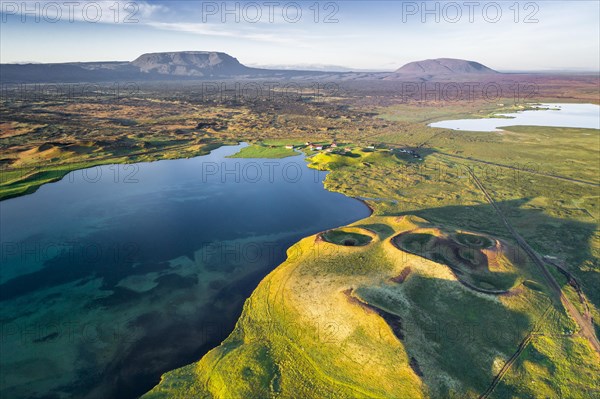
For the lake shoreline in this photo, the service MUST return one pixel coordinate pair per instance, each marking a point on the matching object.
(564, 115)
(172, 274)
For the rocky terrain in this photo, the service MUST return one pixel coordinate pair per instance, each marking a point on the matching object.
(191, 64)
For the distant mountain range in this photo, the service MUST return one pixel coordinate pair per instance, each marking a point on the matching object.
(319, 68)
(214, 65)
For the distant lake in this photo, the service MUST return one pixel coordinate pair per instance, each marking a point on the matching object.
(558, 115)
(116, 274)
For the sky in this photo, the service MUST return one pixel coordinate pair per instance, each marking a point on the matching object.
(368, 35)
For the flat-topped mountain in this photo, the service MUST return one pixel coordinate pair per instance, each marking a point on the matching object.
(191, 63)
(183, 65)
(444, 66)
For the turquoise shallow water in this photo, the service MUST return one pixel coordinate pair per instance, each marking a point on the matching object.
(118, 273)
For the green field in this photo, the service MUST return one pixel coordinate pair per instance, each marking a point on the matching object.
(545, 182)
(264, 151)
(454, 308)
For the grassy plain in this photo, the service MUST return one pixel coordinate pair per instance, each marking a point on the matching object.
(264, 151)
(374, 320)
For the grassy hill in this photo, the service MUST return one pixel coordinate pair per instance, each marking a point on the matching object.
(441, 302)
(375, 321)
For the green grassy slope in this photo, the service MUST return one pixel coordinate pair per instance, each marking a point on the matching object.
(331, 320)
(263, 151)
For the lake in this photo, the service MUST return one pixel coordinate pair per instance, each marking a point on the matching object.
(558, 115)
(118, 273)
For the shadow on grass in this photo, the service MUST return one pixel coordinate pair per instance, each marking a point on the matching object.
(449, 333)
(569, 240)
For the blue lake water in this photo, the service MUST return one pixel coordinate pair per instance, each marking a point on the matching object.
(118, 273)
(557, 115)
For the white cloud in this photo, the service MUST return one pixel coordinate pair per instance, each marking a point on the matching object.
(94, 12)
(222, 31)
